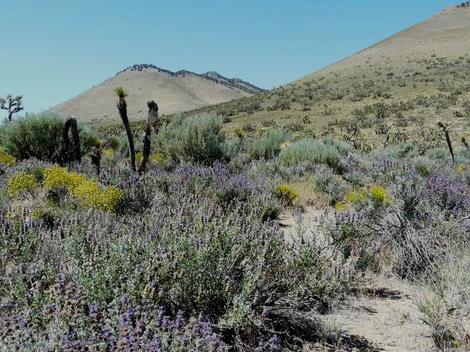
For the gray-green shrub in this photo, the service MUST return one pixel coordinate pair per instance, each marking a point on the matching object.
(196, 138)
(267, 146)
(311, 150)
(40, 136)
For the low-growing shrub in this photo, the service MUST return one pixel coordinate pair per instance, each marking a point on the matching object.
(58, 180)
(188, 261)
(330, 183)
(267, 146)
(196, 138)
(311, 150)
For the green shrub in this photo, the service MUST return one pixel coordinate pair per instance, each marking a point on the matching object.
(313, 151)
(197, 138)
(267, 146)
(40, 136)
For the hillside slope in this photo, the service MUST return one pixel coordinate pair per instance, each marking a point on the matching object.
(393, 91)
(174, 92)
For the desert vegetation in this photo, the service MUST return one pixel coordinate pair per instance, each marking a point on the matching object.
(187, 252)
(389, 102)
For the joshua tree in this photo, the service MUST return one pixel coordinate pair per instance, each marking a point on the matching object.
(465, 143)
(449, 142)
(12, 105)
(122, 108)
(151, 120)
(71, 125)
(96, 159)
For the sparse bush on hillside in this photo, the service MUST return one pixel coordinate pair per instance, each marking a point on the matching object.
(196, 138)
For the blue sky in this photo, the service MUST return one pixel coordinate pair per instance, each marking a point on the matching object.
(52, 50)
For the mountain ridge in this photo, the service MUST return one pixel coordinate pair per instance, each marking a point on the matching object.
(211, 75)
(174, 91)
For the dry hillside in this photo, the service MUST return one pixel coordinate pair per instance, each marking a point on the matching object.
(174, 91)
(393, 91)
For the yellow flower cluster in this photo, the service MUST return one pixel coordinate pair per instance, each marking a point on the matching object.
(88, 192)
(461, 168)
(138, 157)
(287, 193)
(377, 194)
(5, 158)
(356, 196)
(60, 177)
(342, 206)
(21, 182)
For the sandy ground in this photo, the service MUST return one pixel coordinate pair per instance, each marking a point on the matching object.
(383, 312)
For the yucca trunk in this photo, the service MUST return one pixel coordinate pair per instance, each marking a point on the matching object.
(122, 108)
(152, 117)
(71, 125)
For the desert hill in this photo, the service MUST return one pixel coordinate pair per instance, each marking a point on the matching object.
(174, 91)
(393, 91)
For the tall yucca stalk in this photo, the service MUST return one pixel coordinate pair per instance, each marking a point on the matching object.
(449, 142)
(151, 120)
(122, 108)
(72, 126)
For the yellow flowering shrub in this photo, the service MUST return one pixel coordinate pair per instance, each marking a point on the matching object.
(341, 206)
(60, 177)
(5, 158)
(107, 199)
(56, 177)
(356, 196)
(379, 194)
(89, 193)
(86, 191)
(287, 193)
(21, 182)
(460, 168)
(375, 193)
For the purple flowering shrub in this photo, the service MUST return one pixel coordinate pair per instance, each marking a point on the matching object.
(427, 215)
(193, 262)
(194, 259)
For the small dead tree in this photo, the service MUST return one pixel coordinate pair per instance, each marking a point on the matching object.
(449, 142)
(122, 108)
(12, 105)
(152, 118)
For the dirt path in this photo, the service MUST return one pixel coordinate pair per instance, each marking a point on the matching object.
(383, 313)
